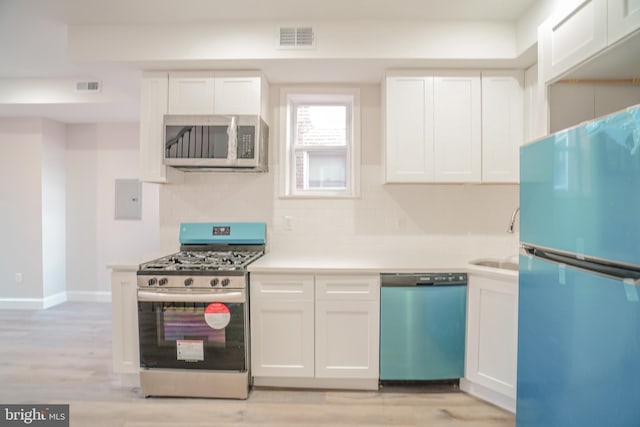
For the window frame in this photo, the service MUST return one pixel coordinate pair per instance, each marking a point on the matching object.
(290, 98)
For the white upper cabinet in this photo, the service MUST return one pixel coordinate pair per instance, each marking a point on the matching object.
(409, 129)
(457, 128)
(624, 18)
(582, 31)
(191, 92)
(153, 107)
(502, 125)
(572, 36)
(237, 94)
(434, 127)
(219, 92)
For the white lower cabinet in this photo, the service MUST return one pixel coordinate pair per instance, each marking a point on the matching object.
(124, 306)
(492, 340)
(347, 327)
(315, 330)
(282, 323)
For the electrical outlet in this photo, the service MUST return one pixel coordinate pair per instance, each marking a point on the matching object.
(18, 277)
(288, 223)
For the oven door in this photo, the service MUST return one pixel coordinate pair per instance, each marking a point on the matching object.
(193, 330)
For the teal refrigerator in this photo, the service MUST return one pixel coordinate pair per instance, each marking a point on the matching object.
(579, 282)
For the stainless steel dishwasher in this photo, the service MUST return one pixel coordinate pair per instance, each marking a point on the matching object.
(422, 326)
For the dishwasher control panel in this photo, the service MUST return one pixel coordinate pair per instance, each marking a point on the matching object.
(423, 279)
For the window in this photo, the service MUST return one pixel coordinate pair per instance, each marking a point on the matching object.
(322, 142)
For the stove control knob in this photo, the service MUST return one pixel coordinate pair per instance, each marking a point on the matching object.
(225, 282)
(188, 282)
(152, 281)
(163, 281)
(214, 282)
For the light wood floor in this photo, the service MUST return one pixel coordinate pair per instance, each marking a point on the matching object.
(63, 355)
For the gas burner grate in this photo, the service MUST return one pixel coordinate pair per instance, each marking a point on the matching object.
(203, 261)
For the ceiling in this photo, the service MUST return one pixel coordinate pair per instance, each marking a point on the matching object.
(33, 35)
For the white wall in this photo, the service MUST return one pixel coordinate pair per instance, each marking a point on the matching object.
(466, 219)
(57, 204)
(82, 228)
(97, 155)
(247, 40)
(571, 104)
(53, 213)
(20, 210)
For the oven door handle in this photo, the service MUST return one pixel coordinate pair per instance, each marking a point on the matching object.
(227, 296)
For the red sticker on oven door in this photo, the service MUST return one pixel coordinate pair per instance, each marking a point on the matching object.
(217, 315)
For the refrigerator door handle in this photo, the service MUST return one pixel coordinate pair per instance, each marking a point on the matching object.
(621, 272)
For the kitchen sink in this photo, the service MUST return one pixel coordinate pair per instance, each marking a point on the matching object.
(503, 264)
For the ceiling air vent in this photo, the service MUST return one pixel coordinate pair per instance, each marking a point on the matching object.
(297, 38)
(88, 86)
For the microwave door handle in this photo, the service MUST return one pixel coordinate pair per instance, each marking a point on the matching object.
(232, 134)
(160, 296)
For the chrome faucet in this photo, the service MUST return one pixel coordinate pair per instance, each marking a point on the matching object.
(513, 220)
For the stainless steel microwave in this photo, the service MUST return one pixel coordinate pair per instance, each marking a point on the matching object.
(216, 142)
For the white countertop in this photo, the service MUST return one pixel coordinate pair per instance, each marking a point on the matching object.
(283, 263)
(328, 263)
(133, 263)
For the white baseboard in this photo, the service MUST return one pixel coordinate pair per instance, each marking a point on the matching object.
(89, 296)
(52, 300)
(33, 303)
(21, 303)
(323, 383)
(484, 393)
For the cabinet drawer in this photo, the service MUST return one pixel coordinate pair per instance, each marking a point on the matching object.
(363, 288)
(282, 287)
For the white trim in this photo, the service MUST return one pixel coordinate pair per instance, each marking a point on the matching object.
(21, 303)
(89, 296)
(33, 303)
(484, 393)
(318, 383)
(321, 94)
(55, 299)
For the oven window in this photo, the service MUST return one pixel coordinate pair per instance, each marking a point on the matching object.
(190, 335)
(185, 323)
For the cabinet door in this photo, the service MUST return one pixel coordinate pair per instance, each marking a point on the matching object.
(124, 307)
(153, 107)
(409, 129)
(347, 339)
(191, 92)
(570, 37)
(282, 326)
(237, 95)
(624, 18)
(347, 326)
(502, 125)
(457, 128)
(492, 334)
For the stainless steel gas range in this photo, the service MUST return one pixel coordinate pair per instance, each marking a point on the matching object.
(193, 312)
